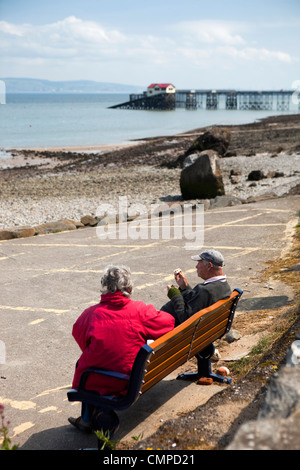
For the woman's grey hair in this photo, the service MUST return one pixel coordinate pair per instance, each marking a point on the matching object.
(116, 278)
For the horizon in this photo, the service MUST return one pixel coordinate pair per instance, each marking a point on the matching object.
(239, 45)
(291, 89)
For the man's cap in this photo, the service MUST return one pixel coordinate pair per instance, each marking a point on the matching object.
(213, 256)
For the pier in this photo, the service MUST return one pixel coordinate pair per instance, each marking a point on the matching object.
(214, 99)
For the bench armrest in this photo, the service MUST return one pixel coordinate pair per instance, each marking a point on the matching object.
(115, 402)
(95, 370)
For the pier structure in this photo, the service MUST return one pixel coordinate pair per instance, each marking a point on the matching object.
(233, 99)
(162, 101)
(214, 99)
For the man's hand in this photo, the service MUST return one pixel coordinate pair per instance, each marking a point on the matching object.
(180, 278)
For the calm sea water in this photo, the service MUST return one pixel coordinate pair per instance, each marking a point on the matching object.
(69, 120)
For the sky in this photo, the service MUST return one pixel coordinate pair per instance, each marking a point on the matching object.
(195, 44)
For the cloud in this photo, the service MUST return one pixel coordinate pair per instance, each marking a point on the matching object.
(69, 37)
(254, 54)
(210, 32)
(90, 47)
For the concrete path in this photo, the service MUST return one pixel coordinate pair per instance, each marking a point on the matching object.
(47, 281)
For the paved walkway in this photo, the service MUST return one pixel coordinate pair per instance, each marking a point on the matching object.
(47, 281)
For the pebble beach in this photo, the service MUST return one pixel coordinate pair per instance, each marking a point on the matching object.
(43, 185)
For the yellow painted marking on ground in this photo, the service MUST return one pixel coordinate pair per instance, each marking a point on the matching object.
(37, 321)
(244, 252)
(33, 309)
(50, 408)
(52, 390)
(11, 256)
(165, 279)
(19, 405)
(170, 277)
(227, 224)
(227, 210)
(241, 248)
(95, 245)
(232, 222)
(22, 428)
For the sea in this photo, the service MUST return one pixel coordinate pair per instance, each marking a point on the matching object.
(30, 121)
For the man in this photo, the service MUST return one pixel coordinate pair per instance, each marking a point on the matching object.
(185, 301)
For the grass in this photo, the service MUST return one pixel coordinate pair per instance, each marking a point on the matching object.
(105, 441)
(282, 319)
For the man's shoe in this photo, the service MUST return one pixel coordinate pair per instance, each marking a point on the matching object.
(81, 425)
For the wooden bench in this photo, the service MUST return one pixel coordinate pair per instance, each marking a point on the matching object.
(154, 362)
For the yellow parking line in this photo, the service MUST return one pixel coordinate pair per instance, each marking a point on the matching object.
(18, 404)
(49, 408)
(33, 309)
(37, 321)
(52, 390)
(22, 428)
(12, 256)
(231, 222)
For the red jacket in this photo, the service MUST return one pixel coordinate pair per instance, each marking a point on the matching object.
(111, 333)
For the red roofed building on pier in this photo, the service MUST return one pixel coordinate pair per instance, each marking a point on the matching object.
(158, 88)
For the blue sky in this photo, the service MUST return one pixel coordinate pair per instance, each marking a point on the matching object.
(242, 44)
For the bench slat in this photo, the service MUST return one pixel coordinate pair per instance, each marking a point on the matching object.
(191, 337)
(193, 321)
(215, 333)
(184, 341)
(171, 363)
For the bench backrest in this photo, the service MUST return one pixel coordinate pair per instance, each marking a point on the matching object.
(192, 336)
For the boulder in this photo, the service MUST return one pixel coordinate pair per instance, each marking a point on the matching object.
(256, 175)
(235, 172)
(224, 201)
(275, 174)
(201, 176)
(217, 139)
(24, 232)
(234, 179)
(17, 232)
(7, 234)
(232, 335)
(89, 220)
(278, 423)
(52, 227)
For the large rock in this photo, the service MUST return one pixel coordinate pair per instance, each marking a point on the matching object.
(89, 220)
(201, 176)
(52, 227)
(24, 232)
(217, 139)
(18, 232)
(7, 234)
(256, 175)
(278, 424)
(224, 201)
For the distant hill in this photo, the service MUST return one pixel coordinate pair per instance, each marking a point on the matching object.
(35, 85)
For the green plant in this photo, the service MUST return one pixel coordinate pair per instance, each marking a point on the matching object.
(245, 364)
(136, 438)
(105, 442)
(6, 442)
(261, 346)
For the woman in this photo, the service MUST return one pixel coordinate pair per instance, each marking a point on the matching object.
(111, 333)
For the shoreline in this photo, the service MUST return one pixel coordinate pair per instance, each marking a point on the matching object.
(77, 148)
(43, 186)
(133, 141)
(274, 119)
(16, 157)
